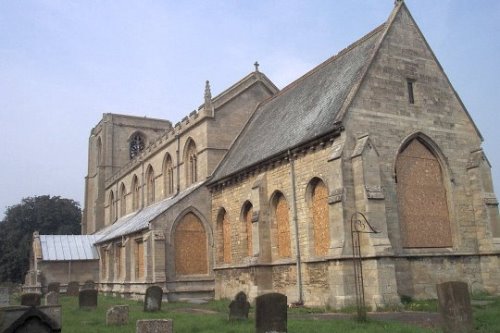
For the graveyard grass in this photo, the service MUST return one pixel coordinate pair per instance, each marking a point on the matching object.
(212, 317)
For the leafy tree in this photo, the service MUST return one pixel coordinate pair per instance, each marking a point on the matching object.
(48, 215)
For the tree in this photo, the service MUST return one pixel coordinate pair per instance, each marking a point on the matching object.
(48, 215)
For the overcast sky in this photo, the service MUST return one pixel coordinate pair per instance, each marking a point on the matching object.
(63, 63)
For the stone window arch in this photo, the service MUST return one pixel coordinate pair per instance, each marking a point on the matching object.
(135, 192)
(319, 213)
(99, 152)
(422, 196)
(137, 143)
(150, 185)
(281, 226)
(247, 229)
(224, 237)
(190, 246)
(168, 175)
(123, 199)
(191, 162)
(112, 207)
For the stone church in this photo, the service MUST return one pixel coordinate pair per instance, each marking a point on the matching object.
(255, 190)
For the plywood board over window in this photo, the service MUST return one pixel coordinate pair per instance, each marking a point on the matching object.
(422, 200)
(249, 231)
(139, 259)
(283, 227)
(321, 230)
(191, 253)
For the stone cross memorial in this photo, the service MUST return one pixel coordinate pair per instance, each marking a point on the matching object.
(455, 307)
(31, 299)
(271, 313)
(4, 296)
(152, 299)
(117, 315)
(239, 307)
(73, 288)
(87, 298)
(154, 326)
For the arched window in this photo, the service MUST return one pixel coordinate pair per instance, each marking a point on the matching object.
(191, 162)
(190, 246)
(99, 152)
(150, 185)
(112, 207)
(136, 145)
(282, 226)
(247, 229)
(423, 207)
(135, 193)
(123, 200)
(320, 219)
(168, 176)
(224, 237)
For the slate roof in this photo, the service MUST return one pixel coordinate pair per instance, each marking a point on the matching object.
(140, 220)
(68, 247)
(302, 111)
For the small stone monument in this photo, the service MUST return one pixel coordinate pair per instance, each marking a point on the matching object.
(455, 307)
(154, 326)
(239, 307)
(73, 288)
(271, 313)
(4, 296)
(54, 286)
(152, 299)
(31, 299)
(117, 315)
(87, 299)
(52, 298)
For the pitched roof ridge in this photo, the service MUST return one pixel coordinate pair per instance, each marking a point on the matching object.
(330, 60)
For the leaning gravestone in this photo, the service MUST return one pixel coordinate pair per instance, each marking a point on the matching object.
(154, 326)
(271, 313)
(117, 315)
(31, 299)
(52, 298)
(89, 284)
(239, 307)
(152, 300)
(73, 288)
(54, 286)
(4, 296)
(455, 307)
(87, 298)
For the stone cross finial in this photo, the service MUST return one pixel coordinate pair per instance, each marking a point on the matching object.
(256, 66)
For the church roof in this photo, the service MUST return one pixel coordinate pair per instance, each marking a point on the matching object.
(140, 220)
(304, 110)
(68, 247)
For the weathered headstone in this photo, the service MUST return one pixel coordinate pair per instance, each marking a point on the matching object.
(54, 286)
(455, 307)
(52, 298)
(4, 296)
(73, 288)
(31, 299)
(271, 313)
(117, 315)
(154, 326)
(87, 298)
(88, 285)
(239, 307)
(152, 299)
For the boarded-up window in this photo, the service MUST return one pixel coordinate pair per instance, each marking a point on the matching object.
(422, 199)
(248, 225)
(191, 255)
(139, 259)
(282, 239)
(226, 235)
(321, 230)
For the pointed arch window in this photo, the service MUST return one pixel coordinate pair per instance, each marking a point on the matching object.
(136, 145)
(191, 161)
(99, 152)
(150, 185)
(190, 246)
(168, 176)
(123, 200)
(248, 229)
(112, 207)
(320, 218)
(224, 237)
(282, 226)
(422, 199)
(135, 193)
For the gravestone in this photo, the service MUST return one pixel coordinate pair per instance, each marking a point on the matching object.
(54, 286)
(455, 307)
(271, 313)
(52, 298)
(154, 326)
(117, 315)
(31, 299)
(239, 307)
(73, 288)
(152, 299)
(87, 298)
(4, 296)
(88, 285)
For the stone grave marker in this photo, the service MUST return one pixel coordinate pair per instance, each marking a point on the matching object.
(73, 288)
(52, 298)
(239, 307)
(152, 299)
(271, 313)
(54, 286)
(455, 307)
(4, 296)
(31, 299)
(89, 284)
(154, 326)
(87, 298)
(117, 315)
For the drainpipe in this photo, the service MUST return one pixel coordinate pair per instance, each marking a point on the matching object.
(296, 226)
(178, 164)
